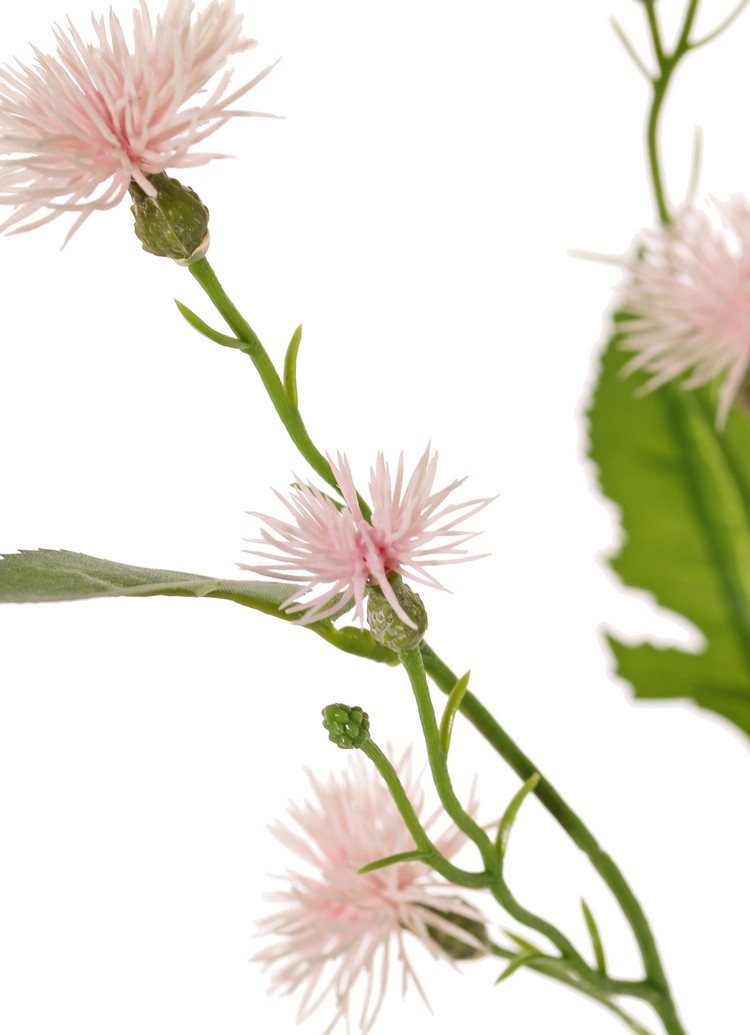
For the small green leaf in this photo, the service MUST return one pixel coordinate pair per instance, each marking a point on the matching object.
(290, 366)
(391, 860)
(524, 943)
(596, 940)
(683, 488)
(203, 328)
(451, 708)
(516, 964)
(509, 816)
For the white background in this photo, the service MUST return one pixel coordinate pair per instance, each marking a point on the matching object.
(414, 211)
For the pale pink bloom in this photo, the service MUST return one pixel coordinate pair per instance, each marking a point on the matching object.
(332, 545)
(77, 126)
(689, 294)
(335, 930)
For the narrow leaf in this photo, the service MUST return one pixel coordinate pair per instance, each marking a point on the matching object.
(596, 940)
(390, 860)
(204, 328)
(451, 708)
(520, 961)
(524, 943)
(509, 816)
(290, 366)
(683, 488)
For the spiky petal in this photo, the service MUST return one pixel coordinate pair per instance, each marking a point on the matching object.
(78, 125)
(333, 546)
(334, 930)
(688, 293)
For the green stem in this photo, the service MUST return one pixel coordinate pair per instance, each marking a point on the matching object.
(551, 967)
(433, 858)
(251, 345)
(656, 987)
(412, 662)
(667, 63)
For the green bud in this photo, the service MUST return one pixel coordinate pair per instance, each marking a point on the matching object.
(385, 625)
(174, 223)
(348, 727)
(452, 944)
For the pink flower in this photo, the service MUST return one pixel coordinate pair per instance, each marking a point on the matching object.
(335, 929)
(78, 126)
(412, 529)
(689, 294)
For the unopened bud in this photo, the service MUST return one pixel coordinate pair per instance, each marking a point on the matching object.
(387, 627)
(348, 727)
(478, 943)
(174, 223)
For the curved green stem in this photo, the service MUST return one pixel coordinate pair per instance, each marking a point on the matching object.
(251, 345)
(656, 988)
(666, 63)
(412, 662)
(553, 968)
(433, 858)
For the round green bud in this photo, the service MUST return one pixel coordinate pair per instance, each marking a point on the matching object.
(387, 628)
(452, 944)
(174, 223)
(348, 727)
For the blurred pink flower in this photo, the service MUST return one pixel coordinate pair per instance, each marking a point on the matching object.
(689, 294)
(333, 545)
(335, 926)
(78, 126)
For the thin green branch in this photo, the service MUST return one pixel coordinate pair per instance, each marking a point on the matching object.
(630, 50)
(721, 27)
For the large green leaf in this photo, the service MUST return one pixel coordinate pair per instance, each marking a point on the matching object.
(683, 488)
(37, 576)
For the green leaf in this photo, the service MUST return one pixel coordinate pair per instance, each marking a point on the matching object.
(520, 961)
(509, 816)
(455, 697)
(290, 366)
(203, 328)
(596, 938)
(38, 576)
(683, 488)
(391, 860)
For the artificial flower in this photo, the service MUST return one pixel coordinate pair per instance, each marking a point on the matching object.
(78, 126)
(335, 929)
(327, 544)
(686, 299)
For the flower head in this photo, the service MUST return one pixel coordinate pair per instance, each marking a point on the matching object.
(335, 929)
(78, 126)
(687, 296)
(334, 546)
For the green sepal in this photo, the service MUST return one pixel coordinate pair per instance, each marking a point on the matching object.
(290, 366)
(452, 706)
(203, 328)
(390, 860)
(516, 964)
(509, 816)
(596, 938)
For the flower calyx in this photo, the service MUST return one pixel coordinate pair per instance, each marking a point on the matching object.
(387, 627)
(173, 222)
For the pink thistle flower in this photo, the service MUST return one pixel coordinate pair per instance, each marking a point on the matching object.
(327, 544)
(77, 127)
(335, 929)
(689, 296)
